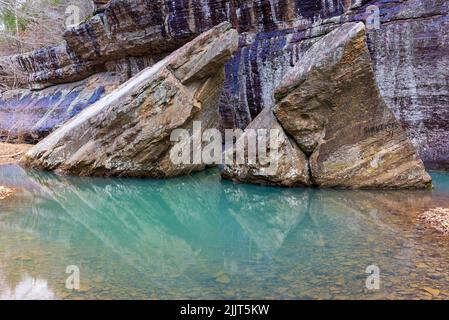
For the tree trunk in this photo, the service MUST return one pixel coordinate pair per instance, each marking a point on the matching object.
(19, 45)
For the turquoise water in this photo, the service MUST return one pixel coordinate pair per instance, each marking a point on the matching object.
(198, 237)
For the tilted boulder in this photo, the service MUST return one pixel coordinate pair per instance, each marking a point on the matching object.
(127, 133)
(331, 105)
(286, 166)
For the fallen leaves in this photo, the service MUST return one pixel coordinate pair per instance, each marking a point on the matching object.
(11, 153)
(5, 192)
(433, 292)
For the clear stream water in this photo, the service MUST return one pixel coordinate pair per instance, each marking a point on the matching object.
(198, 237)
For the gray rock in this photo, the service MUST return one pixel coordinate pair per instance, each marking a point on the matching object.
(287, 167)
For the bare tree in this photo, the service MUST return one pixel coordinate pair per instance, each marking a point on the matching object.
(27, 25)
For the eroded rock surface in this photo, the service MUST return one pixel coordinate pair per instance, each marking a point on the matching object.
(287, 167)
(127, 133)
(409, 51)
(332, 107)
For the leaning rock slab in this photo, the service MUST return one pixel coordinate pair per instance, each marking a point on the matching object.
(287, 166)
(127, 133)
(331, 105)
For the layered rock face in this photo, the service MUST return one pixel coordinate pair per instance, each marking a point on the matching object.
(409, 51)
(127, 133)
(411, 62)
(329, 103)
(332, 107)
(29, 116)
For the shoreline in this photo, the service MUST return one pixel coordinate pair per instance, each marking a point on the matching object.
(11, 153)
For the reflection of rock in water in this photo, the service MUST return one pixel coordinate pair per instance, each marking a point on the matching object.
(354, 215)
(178, 235)
(27, 289)
(177, 216)
(14, 176)
(266, 216)
(144, 222)
(170, 226)
(345, 231)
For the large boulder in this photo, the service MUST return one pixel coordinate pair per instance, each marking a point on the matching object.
(330, 104)
(127, 133)
(286, 166)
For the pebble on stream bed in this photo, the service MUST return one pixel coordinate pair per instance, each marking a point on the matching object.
(437, 218)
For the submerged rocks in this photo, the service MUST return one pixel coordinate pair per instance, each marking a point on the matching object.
(127, 133)
(11, 153)
(5, 192)
(100, 5)
(437, 218)
(329, 103)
